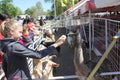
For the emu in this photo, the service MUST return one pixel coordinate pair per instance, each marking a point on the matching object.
(81, 69)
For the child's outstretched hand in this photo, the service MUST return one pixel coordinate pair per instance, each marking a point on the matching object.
(60, 41)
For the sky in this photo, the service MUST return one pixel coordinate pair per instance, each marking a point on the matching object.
(25, 4)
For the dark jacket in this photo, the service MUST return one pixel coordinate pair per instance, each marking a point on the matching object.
(15, 64)
(41, 21)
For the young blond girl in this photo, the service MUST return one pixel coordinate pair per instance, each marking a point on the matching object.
(14, 59)
(25, 39)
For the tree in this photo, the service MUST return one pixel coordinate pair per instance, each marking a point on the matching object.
(62, 5)
(13, 11)
(35, 11)
(39, 5)
(29, 11)
(7, 7)
(4, 4)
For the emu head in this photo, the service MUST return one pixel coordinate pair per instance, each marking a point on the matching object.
(76, 36)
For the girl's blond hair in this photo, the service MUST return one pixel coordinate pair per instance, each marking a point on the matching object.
(25, 28)
(2, 28)
(9, 25)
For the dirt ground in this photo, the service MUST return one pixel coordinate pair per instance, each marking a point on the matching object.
(65, 59)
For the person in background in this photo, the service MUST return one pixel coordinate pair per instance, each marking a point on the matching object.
(30, 25)
(25, 21)
(41, 22)
(3, 18)
(19, 20)
(14, 59)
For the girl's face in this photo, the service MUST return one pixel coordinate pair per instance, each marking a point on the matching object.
(17, 33)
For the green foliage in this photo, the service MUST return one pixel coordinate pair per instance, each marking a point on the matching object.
(62, 5)
(50, 13)
(7, 7)
(39, 5)
(35, 11)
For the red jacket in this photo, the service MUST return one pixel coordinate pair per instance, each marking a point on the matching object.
(1, 36)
